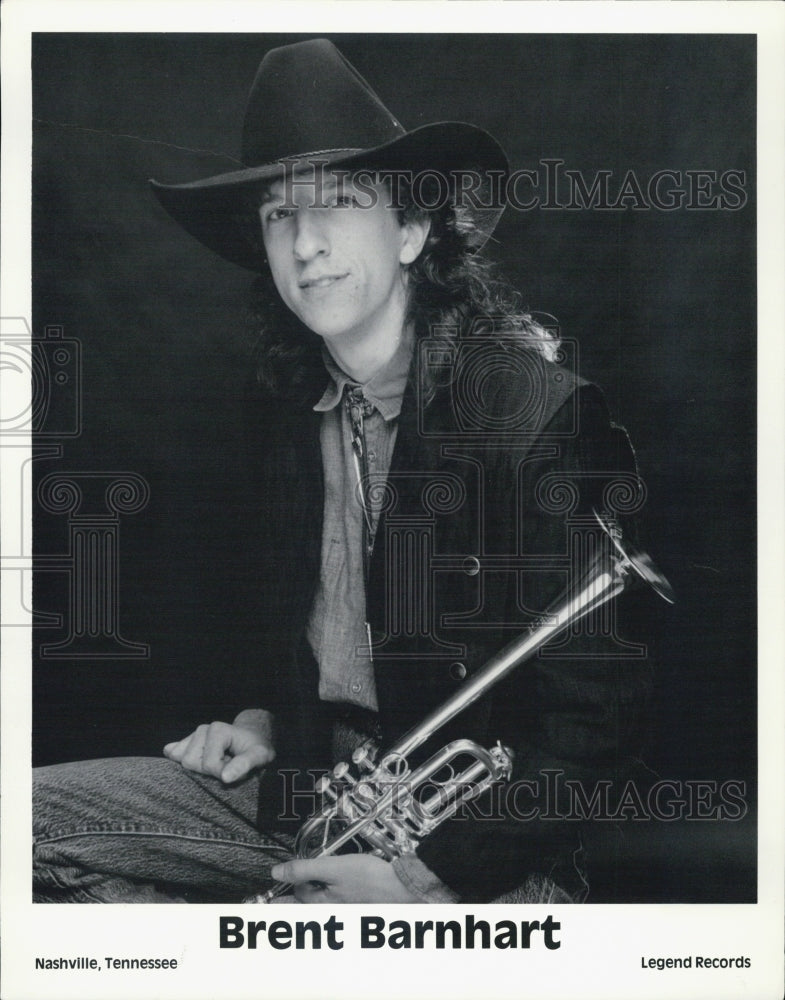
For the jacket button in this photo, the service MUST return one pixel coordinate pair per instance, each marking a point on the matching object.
(457, 671)
(471, 565)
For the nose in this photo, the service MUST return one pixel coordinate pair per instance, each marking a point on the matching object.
(310, 236)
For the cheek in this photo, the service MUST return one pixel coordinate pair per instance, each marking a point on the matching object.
(281, 275)
(278, 255)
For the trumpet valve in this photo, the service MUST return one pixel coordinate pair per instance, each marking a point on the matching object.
(341, 773)
(325, 787)
(365, 756)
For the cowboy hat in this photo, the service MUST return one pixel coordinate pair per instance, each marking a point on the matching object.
(309, 104)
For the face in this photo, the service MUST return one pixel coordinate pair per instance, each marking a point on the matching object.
(337, 254)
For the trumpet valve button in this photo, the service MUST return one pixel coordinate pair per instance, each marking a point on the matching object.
(341, 772)
(327, 790)
(363, 756)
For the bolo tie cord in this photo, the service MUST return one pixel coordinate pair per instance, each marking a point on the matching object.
(358, 408)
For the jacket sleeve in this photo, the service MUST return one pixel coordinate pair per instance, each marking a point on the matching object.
(264, 561)
(570, 714)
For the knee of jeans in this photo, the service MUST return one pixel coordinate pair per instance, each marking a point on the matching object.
(61, 801)
(40, 798)
(47, 793)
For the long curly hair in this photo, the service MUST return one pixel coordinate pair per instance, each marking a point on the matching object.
(454, 294)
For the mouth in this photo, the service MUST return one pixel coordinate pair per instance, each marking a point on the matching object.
(317, 284)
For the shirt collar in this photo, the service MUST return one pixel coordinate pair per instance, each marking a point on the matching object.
(385, 390)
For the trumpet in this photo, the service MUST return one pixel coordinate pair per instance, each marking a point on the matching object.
(386, 807)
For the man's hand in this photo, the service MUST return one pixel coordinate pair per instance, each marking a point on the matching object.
(349, 878)
(228, 752)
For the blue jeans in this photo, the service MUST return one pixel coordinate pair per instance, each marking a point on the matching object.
(144, 830)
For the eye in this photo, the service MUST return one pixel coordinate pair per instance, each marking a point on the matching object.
(278, 214)
(272, 212)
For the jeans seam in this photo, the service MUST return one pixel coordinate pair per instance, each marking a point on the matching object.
(53, 877)
(161, 834)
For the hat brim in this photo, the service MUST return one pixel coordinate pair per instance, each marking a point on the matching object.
(222, 211)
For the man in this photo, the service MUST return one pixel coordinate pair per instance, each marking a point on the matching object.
(422, 467)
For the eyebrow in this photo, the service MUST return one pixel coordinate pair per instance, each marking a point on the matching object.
(329, 184)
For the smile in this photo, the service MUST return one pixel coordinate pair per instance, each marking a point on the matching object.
(313, 284)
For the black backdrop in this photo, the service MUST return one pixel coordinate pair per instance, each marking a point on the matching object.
(661, 303)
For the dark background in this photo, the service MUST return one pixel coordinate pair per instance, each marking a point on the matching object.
(662, 304)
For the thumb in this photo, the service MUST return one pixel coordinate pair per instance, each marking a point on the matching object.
(245, 762)
(323, 869)
(296, 870)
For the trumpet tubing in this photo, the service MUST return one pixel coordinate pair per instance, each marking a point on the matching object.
(387, 811)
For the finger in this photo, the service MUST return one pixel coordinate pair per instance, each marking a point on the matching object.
(241, 765)
(217, 739)
(312, 892)
(192, 758)
(176, 749)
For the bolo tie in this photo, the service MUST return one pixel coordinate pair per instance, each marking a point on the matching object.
(358, 407)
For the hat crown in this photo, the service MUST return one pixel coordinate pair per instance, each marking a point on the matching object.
(307, 103)
(307, 98)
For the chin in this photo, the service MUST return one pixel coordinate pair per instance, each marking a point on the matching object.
(328, 330)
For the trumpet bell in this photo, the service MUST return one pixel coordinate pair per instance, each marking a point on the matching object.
(641, 564)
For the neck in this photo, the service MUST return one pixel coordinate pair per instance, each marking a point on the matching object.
(361, 361)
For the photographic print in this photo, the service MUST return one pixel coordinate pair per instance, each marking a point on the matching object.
(394, 494)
